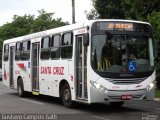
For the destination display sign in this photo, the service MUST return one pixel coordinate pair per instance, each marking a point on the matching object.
(123, 26)
(120, 26)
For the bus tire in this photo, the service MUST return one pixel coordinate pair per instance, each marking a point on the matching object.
(116, 104)
(21, 91)
(66, 96)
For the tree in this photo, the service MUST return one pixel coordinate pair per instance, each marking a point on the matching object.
(106, 9)
(128, 9)
(140, 9)
(154, 19)
(92, 14)
(45, 21)
(23, 25)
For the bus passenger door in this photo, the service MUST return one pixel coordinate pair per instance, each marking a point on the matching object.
(81, 68)
(35, 66)
(11, 68)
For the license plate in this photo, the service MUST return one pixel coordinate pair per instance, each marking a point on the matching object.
(126, 97)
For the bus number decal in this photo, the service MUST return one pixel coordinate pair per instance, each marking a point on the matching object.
(71, 77)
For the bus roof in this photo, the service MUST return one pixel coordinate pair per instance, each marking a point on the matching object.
(65, 29)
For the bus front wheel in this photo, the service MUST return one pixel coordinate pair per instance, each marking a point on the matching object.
(66, 96)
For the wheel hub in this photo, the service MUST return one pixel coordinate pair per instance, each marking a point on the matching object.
(20, 91)
(66, 95)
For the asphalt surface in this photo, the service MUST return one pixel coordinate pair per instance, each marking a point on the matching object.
(45, 107)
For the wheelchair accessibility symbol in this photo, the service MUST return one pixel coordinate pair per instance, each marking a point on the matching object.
(132, 66)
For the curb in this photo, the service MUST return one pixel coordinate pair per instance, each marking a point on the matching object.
(156, 99)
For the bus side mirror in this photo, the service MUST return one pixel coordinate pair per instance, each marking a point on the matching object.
(86, 39)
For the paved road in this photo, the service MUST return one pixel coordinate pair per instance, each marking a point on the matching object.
(51, 108)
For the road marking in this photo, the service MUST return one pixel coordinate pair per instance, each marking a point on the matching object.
(144, 106)
(100, 117)
(32, 101)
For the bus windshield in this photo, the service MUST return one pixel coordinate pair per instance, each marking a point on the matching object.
(118, 53)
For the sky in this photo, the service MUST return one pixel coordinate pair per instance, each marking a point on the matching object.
(61, 8)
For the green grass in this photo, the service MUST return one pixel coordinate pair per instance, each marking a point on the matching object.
(157, 93)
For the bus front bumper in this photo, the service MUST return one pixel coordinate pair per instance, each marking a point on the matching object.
(97, 96)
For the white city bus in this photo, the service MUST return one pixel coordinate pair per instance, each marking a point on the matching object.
(98, 61)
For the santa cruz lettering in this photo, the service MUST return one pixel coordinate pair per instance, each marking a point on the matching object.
(58, 70)
(54, 70)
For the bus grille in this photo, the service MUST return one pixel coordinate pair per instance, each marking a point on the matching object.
(126, 81)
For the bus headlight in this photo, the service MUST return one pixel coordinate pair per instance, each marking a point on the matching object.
(98, 86)
(150, 86)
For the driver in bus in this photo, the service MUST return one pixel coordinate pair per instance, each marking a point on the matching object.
(127, 56)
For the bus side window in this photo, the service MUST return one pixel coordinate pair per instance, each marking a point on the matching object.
(55, 47)
(18, 51)
(6, 52)
(67, 46)
(45, 48)
(25, 54)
